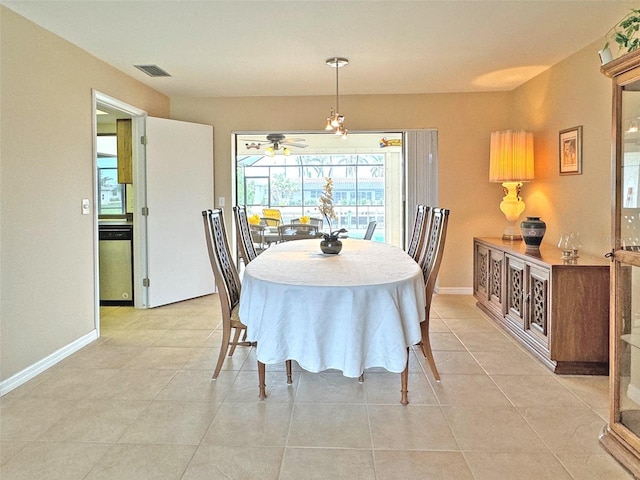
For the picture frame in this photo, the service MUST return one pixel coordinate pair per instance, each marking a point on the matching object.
(570, 151)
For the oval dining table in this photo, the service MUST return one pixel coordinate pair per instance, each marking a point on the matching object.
(352, 311)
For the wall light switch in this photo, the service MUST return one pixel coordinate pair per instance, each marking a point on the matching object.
(86, 207)
(221, 201)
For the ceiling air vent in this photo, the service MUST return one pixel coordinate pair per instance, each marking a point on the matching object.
(152, 70)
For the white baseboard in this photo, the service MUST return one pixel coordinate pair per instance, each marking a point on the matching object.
(37, 368)
(454, 290)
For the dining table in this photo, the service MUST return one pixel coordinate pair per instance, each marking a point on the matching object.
(351, 311)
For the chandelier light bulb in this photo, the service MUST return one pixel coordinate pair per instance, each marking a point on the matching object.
(335, 121)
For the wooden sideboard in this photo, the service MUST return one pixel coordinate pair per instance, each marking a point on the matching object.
(558, 309)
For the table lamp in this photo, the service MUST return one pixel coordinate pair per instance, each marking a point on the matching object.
(511, 163)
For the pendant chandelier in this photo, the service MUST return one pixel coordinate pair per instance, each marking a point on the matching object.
(335, 121)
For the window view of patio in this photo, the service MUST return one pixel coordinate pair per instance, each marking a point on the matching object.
(367, 183)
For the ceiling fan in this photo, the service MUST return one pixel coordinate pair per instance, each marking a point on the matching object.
(276, 142)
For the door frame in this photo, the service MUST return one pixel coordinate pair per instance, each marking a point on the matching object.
(139, 235)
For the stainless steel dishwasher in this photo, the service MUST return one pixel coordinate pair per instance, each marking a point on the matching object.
(116, 264)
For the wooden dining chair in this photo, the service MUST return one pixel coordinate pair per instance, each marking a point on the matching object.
(245, 238)
(420, 224)
(370, 229)
(429, 261)
(227, 282)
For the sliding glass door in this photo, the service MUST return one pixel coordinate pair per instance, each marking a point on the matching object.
(367, 171)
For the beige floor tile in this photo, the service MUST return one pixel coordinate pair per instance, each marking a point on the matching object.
(414, 427)
(116, 321)
(511, 362)
(438, 325)
(132, 338)
(205, 359)
(143, 462)
(73, 384)
(99, 421)
(384, 388)
(491, 429)
(27, 418)
(134, 384)
(323, 464)
(472, 390)
(412, 465)
(445, 341)
(97, 355)
(593, 390)
(516, 466)
(53, 461)
(491, 341)
(457, 311)
(212, 462)
(536, 390)
(160, 358)
(203, 321)
(160, 322)
(251, 424)
(566, 429)
(183, 423)
(139, 403)
(183, 338)
(245, 387)
(30, 388)
(196, 386)
(330, 388)
(597, 466)
(456, 363)
(329, 425)
(8, 449)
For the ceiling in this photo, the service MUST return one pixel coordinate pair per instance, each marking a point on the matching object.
(223, 48)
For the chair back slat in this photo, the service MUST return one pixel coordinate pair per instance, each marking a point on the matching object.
(431, 254)
(245, 239)
(225, 272)
(370, 229)
(418, 233)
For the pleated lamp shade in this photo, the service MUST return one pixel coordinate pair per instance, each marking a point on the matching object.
(511, 156)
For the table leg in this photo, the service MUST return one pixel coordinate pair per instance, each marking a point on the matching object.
(261, 384)
(404, 380)
(289, 378)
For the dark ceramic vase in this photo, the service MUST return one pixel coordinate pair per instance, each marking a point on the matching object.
(331, 245)
(533, 231)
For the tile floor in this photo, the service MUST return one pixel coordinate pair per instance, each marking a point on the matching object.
(139, 404)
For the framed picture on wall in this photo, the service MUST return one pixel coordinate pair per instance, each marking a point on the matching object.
(570, 150)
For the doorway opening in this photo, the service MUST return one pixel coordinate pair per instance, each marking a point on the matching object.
(116, 229)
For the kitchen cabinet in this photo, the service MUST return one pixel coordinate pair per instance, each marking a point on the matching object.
(557, 309)
(125, 150)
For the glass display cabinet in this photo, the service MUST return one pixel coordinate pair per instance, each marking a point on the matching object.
(621, 436)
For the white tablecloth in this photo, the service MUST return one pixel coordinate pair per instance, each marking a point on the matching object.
(352, 311)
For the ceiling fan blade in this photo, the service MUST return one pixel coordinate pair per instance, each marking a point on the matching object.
(299, 145)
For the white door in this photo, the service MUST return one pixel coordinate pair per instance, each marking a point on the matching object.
(179, 186)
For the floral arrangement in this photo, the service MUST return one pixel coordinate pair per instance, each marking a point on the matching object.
(254, 219)
(326, 209)
(305, 219)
